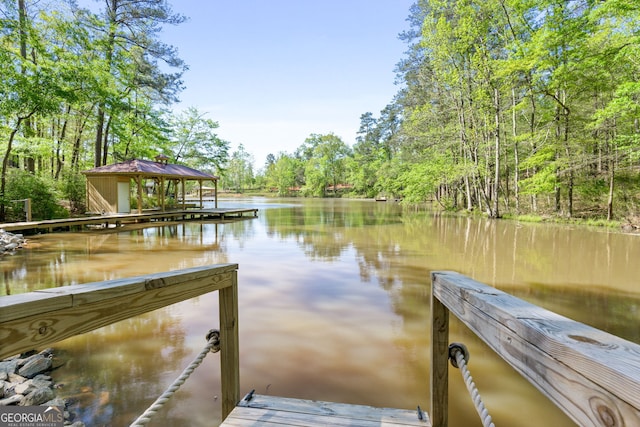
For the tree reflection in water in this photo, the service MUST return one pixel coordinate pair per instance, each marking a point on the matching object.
(334, 305)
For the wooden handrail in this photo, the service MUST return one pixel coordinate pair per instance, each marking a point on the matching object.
(593, 376)
(40, 318)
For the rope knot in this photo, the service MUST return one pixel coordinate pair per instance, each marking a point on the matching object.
(213, 337)
(454, 349)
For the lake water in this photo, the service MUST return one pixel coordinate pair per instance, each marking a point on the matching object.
(334, 302)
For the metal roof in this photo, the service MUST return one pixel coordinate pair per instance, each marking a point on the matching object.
(149, 168)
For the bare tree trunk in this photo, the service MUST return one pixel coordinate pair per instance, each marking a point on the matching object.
(105, 144)
(496, 184)
(98, 143)
(5, 166)
(516, 167)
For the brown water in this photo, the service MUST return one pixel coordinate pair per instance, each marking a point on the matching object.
(334, 305)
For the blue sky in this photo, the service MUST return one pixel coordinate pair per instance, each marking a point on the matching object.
(272, 72)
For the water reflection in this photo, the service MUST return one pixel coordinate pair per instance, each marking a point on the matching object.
(334, 305)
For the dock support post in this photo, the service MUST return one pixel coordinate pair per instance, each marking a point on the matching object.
(439, 359)
(229, 353)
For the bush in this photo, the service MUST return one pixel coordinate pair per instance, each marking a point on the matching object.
(44, 200)
(74, 189)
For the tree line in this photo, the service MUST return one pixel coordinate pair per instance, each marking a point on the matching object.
(505, 106)
(508, 106)
(83, 88)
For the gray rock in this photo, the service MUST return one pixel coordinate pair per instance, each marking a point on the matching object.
(40, 383)
(37, 397)
(12, 400)
(24, 388)
(56, 401)
(36, 365)
(9, 366)
(16, 379)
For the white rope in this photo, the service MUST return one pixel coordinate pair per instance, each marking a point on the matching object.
(457, 352)
(213, 345)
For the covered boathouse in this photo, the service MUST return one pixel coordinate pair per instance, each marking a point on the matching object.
(109, 187)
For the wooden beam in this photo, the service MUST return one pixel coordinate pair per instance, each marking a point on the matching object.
(162, 194)
(41, 318)
(229, 356)
(271, 411)
(593, 376)
(439, 407)
(184, 195)
(139, 182)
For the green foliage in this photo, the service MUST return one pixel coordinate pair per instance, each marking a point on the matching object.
(74, 190)
(282, 175)
(195, 143)
(44, 198)
(324, 158)
(239, 174)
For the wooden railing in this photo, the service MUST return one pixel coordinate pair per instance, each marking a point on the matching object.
(593, 376)
(41, 318)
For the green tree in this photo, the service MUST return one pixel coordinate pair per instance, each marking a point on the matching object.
(195, 143)
(31, 84)
(326, 165)
(282, 174)
(128, 33)
(239, 174)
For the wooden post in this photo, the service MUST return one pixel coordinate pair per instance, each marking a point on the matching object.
(229, 353)
(27, 209)
(215, 185)
(139, 182)
(439, 360)
(184, 196)
(162, 193)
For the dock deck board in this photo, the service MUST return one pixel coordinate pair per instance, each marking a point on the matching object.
(266, 411)
(126, 218)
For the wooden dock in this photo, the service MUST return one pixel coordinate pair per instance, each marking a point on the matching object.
(266, 411)
(105, 221)
(593, 376)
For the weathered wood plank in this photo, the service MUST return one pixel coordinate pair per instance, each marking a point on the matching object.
(124, 218)
(42, 318)
(439, 407)
(229, 344)
(23, 305)
(593, 376)
(269, 410)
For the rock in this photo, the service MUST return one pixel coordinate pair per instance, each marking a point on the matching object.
(37, 397)
(10, 241)
(16, 398)
(23, 383)
(56, 401)
(16, 379)
(36, 365)
(24, 388)
(9, 366)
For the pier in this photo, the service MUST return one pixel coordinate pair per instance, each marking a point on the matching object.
(591, 375)
(108, 220)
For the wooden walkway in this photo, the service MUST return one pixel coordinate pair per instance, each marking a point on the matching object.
(265, 411)
(120, 219)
